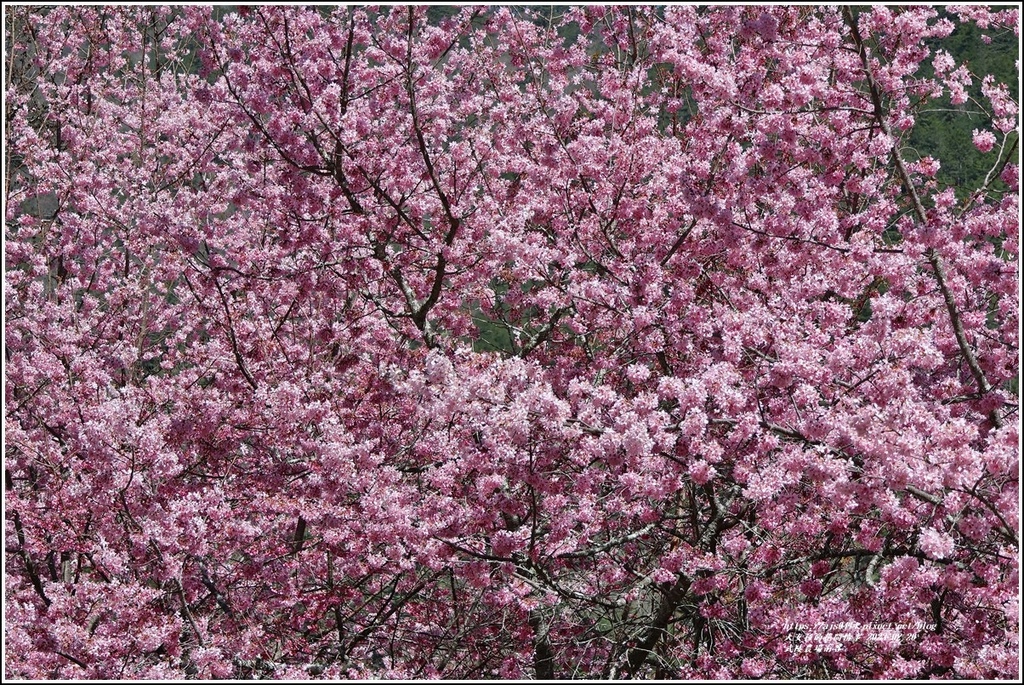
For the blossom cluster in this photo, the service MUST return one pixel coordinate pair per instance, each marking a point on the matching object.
(373, 343)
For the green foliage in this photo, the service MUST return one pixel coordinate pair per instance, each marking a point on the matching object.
(943, 130)
(437, 13)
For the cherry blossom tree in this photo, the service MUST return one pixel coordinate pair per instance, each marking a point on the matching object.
(627, 343)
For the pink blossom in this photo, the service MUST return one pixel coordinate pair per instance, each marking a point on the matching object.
(984, 140)
(942, 62)
(754, 668)
(1009, 176)
(398, 342)
(934, 544)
